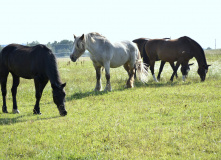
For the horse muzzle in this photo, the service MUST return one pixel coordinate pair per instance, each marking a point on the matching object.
(202, 77)
(62, 110)
(73, 58)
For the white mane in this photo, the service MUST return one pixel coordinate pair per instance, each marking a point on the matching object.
(93, 36)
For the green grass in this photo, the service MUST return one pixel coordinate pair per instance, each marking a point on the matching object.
(151, 121)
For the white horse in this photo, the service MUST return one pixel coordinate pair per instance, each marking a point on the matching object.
(105, 54)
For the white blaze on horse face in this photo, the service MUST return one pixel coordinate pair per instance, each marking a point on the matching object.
(184, 78)
(73, 50)
(155, 78)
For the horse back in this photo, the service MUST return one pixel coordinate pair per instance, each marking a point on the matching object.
(168, 50)
(25, 61)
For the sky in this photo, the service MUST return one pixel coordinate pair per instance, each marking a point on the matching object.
(23, 21)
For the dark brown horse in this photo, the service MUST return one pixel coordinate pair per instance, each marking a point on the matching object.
(180, 50)
(141, 45)
(38, 63)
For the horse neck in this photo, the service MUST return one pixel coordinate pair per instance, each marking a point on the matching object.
(52, 71)
(90, 44)
(142, 48)
(200, 57)
(93, 45)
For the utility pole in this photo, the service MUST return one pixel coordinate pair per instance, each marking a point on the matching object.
(215, 43)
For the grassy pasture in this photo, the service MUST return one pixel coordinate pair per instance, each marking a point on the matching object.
(179, 120)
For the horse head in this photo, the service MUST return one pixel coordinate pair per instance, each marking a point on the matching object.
(59, 97)
(202, 71)
(185, 69)
(78, 48)
(140, 41)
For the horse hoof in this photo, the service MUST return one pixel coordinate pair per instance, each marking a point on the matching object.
(97, 90)
(129, 86)
(36, 112)
(4, 110)
(107, 89)
(15, 111)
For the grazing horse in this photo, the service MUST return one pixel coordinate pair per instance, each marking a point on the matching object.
(141, 45)
(105, 54)
(180, 50)
(38, 63)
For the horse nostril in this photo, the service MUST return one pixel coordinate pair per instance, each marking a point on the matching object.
(64, 113)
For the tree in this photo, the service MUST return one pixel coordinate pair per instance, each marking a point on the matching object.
(208, 48)
(62, 46)
(1, 48)
(34, 43)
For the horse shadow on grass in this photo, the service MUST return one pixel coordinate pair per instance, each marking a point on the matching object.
(81, 95)
(138, 84)
(153, 84)
(22, 118)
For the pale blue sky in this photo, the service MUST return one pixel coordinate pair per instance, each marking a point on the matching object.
(24, 21)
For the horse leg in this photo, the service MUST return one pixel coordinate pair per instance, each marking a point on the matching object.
(175, 70)
(131, 72)
(16, 81)
(98, 86)
(173, 67)
(161, 69)
(3, 78)
(152, 63)
(107, 74)
(135, 74)
(39, 87)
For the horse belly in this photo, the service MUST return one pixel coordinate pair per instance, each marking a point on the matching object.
(27, 74)
(167, 57)
(118, 60)
(22, 70)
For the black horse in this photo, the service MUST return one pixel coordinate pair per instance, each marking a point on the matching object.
(38, 63)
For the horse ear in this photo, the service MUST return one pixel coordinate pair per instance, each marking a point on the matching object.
(82, 37)
(208, 65)
(135, 41)
(63, 85)
(74, 36)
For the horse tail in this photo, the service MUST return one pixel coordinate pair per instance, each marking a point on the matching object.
(142, 69)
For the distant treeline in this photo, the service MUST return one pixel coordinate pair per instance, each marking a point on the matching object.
(62, 48)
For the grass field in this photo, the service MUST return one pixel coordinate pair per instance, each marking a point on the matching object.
(179, 120)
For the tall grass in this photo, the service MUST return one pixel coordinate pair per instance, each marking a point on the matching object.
(179, 120)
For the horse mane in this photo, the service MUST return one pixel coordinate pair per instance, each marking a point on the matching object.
(140, 40)
(196, 45)
(97, 36)
(52, 71)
